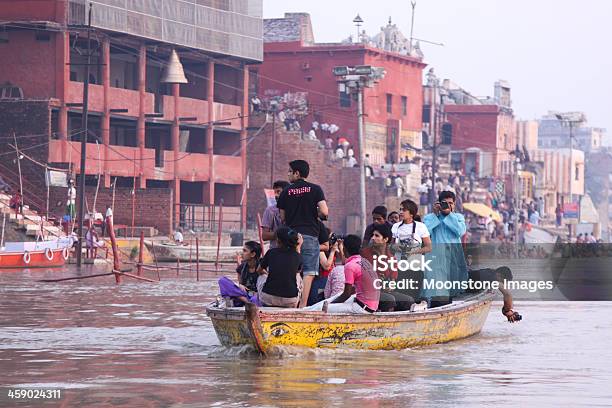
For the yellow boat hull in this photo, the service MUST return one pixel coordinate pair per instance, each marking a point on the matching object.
(271, 327)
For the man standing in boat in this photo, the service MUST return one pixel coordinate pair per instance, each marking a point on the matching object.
(448, 262)
(301, 205)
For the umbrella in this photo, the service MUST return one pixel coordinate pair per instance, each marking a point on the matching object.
(482, 210)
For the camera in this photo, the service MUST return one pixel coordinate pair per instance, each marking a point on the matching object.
(444, 205)
(333, 238)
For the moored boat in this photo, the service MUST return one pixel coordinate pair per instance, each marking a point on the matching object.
(42, 254)
(264, 328)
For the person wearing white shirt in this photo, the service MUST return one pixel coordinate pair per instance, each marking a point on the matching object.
(70, 203)
(410, 235)
(399, 184)
(312, 135)
(108, 216)
(178, 236)
(411, 240)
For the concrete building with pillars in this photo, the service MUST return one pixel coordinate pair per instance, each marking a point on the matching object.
(189, 138)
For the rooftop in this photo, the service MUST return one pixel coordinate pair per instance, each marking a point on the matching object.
(297, 27)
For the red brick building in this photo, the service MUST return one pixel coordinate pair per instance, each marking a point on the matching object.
(478, 134)
(187, 138)
(294, 62)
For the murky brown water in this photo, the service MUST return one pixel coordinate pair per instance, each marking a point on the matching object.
(141, 344)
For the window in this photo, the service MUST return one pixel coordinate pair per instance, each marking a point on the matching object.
(345, 100)
(404, 105)
(577, 175)
(389, 103)
(426, 113)
(8, 91)
(447, 133)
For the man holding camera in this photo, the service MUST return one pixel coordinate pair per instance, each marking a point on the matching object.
(448, 263)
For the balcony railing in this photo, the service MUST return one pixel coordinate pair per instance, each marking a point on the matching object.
(205, 218)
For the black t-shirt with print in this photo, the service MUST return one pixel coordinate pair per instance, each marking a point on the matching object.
(283, 265)
(299, 201)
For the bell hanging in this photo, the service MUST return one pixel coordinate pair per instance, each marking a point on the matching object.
(173, 71)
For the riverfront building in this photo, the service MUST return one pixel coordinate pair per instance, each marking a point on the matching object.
(184, 138)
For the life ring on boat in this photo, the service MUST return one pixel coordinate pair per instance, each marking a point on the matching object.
(49, 254)
(26, 257)
(65, 253)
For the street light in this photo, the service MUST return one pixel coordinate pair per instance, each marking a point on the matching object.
(354, 80)
(570, 119)
(358, 21)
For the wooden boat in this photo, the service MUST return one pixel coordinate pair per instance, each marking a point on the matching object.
(264, 328)
(43, 254)
(171, 252)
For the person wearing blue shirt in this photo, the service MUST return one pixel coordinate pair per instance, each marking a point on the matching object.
(448, 262)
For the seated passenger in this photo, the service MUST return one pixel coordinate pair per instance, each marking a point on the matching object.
(246, 289)
(359, 295)
(379, 246)
(283, 265)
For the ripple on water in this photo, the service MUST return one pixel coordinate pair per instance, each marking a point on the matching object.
(152, 342)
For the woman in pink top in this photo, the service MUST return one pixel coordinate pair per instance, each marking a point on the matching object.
(359, 294)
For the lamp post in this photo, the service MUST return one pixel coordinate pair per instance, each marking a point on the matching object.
(571, 120)
(358, 21)
(353, 80)
(435, 117)
(274, 110)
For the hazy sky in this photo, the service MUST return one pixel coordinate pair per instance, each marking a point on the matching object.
(556, 54)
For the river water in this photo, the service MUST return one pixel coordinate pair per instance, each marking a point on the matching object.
(150, 344)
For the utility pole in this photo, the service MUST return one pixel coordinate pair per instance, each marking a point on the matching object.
(571, 119)
(362, 185)
(84, 134)
(273, 147)
(353, 80)
(571, 156)
(435, 117)
(434, 150)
